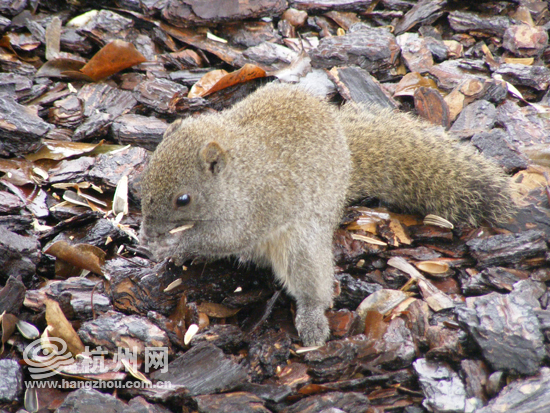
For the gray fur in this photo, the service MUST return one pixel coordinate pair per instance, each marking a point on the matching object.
(269, 178)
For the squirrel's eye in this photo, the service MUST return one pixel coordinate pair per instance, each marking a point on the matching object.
(183, 200)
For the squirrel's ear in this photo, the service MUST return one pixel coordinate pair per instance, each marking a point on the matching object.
(214, 157)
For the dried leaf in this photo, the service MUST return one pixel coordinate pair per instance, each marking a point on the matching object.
(62, 68)
(217, 310)
(205, 83)
(55, 352)
(84, 256)
(9, 322)
(112, 58)
(58, 150)
(244, 74)
(61, 328)
(412, 81)
(220, 79)
(375, 326)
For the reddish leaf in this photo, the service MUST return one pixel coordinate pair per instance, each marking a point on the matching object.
(219, 79)
(244, 74)
(205, 83)
(112, 58)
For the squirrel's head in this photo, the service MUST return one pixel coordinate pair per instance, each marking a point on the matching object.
(190, 199)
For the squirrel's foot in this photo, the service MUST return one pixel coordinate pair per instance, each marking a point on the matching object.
(312, 326)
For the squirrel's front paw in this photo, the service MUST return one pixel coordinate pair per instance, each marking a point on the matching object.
(312, 326)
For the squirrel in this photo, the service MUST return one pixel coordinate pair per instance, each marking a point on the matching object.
(268, 179)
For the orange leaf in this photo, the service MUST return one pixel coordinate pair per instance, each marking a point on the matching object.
(244, 74)
(206, 83)
(112, 58)
(219, 79)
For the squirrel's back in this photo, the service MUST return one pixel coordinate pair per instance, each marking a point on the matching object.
(415, 166)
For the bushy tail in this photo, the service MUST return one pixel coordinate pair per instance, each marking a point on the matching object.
(416, 167)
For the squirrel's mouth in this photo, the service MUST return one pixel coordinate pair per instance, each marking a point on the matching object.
(157, 247)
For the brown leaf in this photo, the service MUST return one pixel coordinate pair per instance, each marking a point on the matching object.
(62, 67)
(8, 327)
(85, 256)
(244, 74)
(412, 81)
(62, 328)
(430, 105)
(205, 83)
(112, 58)
(375, 326)
(217, 310)
(219, 79)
